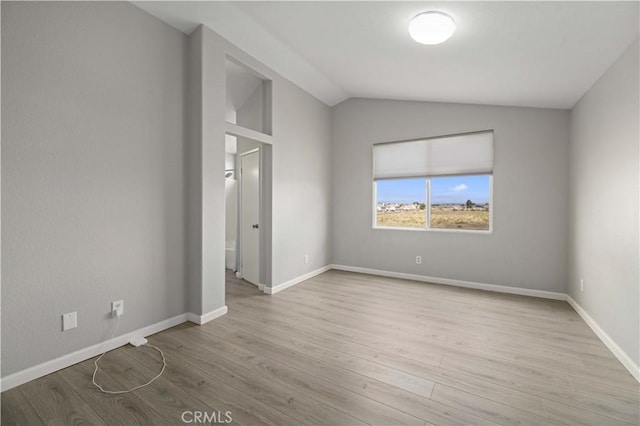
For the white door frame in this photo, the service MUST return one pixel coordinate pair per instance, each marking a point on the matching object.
(239, 248)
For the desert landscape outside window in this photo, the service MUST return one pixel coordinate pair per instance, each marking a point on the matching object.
(460, 202)
(450, 202)
(401, 203)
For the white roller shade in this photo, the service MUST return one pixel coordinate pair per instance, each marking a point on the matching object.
(402, 159)
(464, 154)
(470, 153)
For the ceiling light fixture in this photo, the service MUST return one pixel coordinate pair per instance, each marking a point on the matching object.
(432, 27)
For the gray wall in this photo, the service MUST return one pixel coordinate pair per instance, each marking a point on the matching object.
(193, 174)
(528, 246)
(300, 172)
(92, 174)
(301, 182)
(206, 172)
(251, 113)
(604, 203)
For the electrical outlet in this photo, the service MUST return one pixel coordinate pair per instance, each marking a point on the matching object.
(69, 321)
(306, 258)
(117, 308)
(581, 284)
(418, 260)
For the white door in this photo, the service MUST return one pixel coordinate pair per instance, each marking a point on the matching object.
(250, 212)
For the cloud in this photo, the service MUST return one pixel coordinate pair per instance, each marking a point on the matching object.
(460, 187)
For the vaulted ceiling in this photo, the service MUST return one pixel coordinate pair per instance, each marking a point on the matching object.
(539, 54)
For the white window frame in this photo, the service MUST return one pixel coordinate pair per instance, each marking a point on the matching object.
(428, 211)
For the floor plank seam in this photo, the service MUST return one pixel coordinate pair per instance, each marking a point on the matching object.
(292, 388)
(358, 374)
(197, 365)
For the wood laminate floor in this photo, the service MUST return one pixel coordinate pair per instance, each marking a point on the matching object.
(351, 349)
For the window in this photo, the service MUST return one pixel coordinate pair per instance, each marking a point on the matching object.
(437, 183)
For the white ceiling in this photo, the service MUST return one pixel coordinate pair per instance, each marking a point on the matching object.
(540, 54)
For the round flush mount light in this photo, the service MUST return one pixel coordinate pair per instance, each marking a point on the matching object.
(432, 27)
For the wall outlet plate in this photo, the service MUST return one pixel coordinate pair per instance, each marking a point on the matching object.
(418, 260)
(117, 308)
(69, 321)
(306, 258)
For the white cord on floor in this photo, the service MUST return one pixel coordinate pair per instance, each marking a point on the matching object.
(93, 379)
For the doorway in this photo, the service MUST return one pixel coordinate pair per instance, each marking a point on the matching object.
(248, 161)
(249, 223)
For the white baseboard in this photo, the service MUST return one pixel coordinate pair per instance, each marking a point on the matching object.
(301, 278)
(606, 339)
(203, 319)
(65, 361)
(458, 283)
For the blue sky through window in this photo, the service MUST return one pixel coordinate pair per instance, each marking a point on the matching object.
(405, 191)
(459, 189)
(444, 190)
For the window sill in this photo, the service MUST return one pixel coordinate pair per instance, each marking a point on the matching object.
(455, 231)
